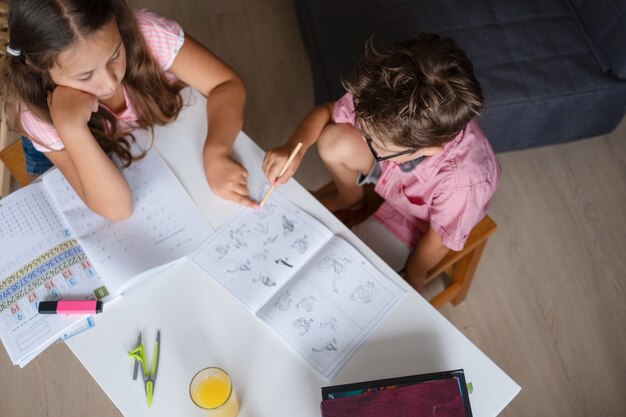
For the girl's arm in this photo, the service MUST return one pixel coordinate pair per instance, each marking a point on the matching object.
(307, 132)
(429, 251)
(94, 177)
(198, 67)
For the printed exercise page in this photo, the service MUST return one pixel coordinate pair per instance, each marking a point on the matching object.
(164, 227)
(331, 305)
(256, 252)
(41, 261)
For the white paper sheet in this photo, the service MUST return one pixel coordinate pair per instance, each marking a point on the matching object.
(164, 226)
(54, 247)
(313, 288)
(41, 261)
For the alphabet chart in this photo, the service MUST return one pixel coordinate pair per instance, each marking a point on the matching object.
(313, 288)
(30, 222)
(42, 261)
(54, 246)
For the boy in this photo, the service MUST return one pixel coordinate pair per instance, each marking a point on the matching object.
(407, 125)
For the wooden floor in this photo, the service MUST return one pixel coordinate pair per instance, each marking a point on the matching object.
(548, 304)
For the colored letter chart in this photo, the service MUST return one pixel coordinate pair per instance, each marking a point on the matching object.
(41, 261)
(61, 271)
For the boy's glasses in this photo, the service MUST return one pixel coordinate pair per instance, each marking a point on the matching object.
(379, 158)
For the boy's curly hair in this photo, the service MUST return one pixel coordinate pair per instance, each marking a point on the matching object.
(416, 93)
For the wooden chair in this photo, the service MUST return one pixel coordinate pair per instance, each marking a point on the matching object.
(4, 27)
(459, 266)
(12, 157)
(5, 178)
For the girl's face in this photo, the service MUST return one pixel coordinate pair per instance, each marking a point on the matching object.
(96, 64)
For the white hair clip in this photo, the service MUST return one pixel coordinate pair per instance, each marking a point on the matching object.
(14, 52)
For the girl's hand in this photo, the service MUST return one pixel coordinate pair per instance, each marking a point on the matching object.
(228, 179)
(274, 161)
(71, 108)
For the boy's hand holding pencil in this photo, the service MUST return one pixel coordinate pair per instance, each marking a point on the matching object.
(280, 164)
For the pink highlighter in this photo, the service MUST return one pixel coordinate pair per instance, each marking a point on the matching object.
(70, 307)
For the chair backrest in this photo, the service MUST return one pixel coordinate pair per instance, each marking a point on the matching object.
(5, 179)
(4, 28)
(12, 156)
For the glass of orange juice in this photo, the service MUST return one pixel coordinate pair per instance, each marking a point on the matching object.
(212, 390)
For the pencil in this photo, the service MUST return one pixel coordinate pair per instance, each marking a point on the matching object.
(280, 174)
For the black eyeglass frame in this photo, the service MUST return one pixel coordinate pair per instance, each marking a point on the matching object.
(379, 158)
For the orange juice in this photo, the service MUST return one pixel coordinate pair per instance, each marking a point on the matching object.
(211, 389)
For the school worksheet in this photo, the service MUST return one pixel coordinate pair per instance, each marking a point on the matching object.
(54, 247)
(41, 260)
(164, 227)
(313, 288)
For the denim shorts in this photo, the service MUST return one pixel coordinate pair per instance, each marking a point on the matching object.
(36, 162)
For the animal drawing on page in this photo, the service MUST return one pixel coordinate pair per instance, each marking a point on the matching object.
(332, 262)
(238, 236)
(364, 292)
(262, 227)
(306, 303)
(302, 325)
(284, 301)
(240, 268)
(283, 261)
(265, 278)
(266, 211)
(220, 251)
(331, 345)
(263, 254)
(288, 225)
(301, 245)
(329, 323)
(270, 240)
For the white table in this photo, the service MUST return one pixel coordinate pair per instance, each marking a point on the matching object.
(203, 325)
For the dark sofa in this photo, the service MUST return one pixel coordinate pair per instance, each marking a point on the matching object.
(551, 70)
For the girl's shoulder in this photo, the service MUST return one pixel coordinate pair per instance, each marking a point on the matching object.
(163, 36)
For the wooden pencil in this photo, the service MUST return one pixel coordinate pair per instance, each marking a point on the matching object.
(280, 174)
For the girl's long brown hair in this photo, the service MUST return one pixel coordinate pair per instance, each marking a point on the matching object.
(42, 29)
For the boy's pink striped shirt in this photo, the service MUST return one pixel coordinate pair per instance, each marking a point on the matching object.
(449, 191)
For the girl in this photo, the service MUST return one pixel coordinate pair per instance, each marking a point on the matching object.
(79, 75)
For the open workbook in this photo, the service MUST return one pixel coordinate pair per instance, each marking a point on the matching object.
(54, 247)
(313, 288)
